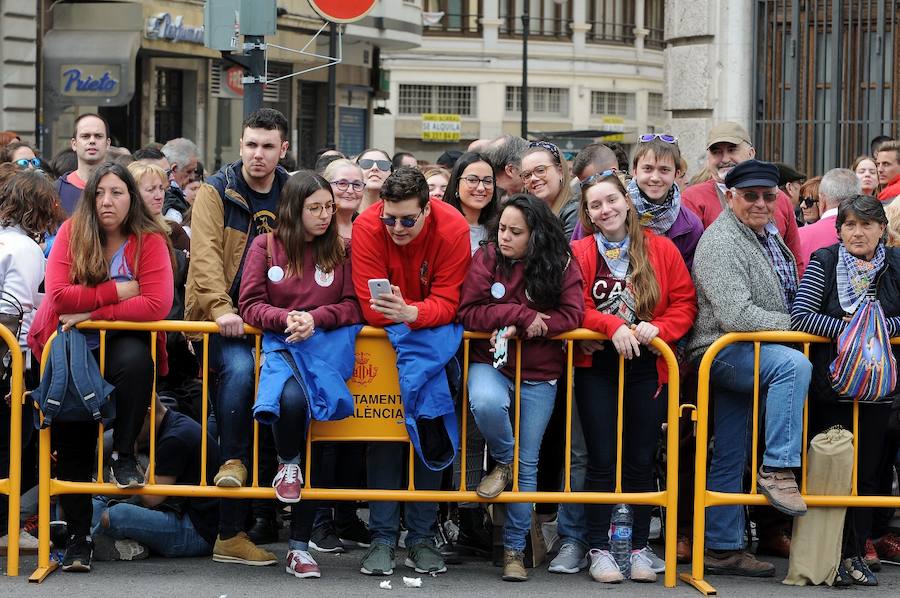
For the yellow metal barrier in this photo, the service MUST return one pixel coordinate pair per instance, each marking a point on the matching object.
(12, 486)
(704, 498)
(378, 417)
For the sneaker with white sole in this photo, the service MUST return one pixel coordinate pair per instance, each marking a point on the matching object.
(287, 483)
(657, 564)
(300, 563)
(107, 548)
(572, 558)
(641, 566)
(603, 567)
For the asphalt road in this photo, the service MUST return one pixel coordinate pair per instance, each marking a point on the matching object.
(202, 578)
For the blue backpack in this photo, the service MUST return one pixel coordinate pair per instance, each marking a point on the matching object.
(71, 387)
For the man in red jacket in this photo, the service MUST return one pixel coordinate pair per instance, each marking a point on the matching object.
(422, 248)
(727, 145)
(888, 161)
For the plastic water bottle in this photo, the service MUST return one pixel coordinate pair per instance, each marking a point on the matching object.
(620, 537)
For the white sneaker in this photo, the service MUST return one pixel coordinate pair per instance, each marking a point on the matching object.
(604, 568)
(572, 558)
(27, 543)
(641, 566)
(300, 563)
(657, 564)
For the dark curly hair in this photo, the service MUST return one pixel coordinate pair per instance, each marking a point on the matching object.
(547, 255)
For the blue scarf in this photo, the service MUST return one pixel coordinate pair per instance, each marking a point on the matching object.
(660, 217)
(855, 276)
(614, 254)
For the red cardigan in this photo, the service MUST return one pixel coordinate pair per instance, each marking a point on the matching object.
(673, 315)
(154, 275)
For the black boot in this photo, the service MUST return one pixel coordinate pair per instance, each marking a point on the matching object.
(475, 534)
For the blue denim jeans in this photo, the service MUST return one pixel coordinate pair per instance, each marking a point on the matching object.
(163, 532)
(571, 524)
(232, 359)
(491, 400)
(783, 381)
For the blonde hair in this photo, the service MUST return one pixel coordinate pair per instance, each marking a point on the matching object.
(141, 170)
(336, 165)
(892, 211)
(643, 277)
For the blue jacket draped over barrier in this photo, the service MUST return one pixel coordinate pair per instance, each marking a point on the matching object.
(71, 388)
(321, 365)
(422, 356)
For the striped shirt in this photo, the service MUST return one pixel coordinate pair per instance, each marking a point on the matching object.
(806, 313)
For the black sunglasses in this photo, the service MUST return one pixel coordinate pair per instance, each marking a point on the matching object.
(807, 202)
(405, 221)
(367, 163)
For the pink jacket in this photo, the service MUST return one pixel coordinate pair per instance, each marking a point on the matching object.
(817, 235)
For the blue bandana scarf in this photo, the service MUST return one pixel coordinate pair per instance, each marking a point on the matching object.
(855, 276)
(614, 254)
(659, 218)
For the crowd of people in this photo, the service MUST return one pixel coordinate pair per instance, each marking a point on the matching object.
(510, 238)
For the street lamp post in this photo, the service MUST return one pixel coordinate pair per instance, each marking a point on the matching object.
(526, 25)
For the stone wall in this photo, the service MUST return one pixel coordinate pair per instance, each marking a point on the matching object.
(18, 57)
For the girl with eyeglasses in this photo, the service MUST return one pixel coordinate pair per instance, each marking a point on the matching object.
(297, 280)
(346, 180)
(473, 191)
(523, 282)
(546, 176)
(809, 202)
(636, 288)
(376, 166)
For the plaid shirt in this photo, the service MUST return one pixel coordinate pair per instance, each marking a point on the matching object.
(782, 263)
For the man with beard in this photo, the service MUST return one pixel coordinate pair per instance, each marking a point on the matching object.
(727, 145)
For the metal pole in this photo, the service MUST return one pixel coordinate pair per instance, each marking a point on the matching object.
(256, 70)
(526, 25)
(332, 87)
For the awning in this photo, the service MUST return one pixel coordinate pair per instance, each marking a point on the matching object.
(90, 67)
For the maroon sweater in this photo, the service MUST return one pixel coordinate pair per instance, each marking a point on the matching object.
(329, 298)
(481, 311)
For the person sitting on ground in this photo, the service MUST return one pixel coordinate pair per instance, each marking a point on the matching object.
(169, 526)
(521, 284)
(746, 281)
(110, 261)
(639, 288)
(837, 281)
(297, 281)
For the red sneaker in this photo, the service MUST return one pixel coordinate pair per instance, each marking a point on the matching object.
(871, 557)
(300, 563)
(888, 547)
(287, 482)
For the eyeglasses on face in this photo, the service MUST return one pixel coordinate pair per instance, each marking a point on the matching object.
(472, 181)
(367, 163)
(648, 137)
(597, 177)
(25, 163)
(316, 208)
(753, 196)
(538, 171)
(343, 185)
(405, 221)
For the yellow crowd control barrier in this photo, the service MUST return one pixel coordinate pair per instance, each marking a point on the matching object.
(705, 498)
(378, 417)
(12, 485)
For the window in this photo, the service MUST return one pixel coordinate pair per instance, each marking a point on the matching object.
(655, 107)
(655, 22)
(443, 99)
(610, 103)
(553, 101)
(452, 17)
(546, 18)
(611, 21)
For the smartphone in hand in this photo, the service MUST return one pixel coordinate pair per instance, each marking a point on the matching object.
(378, 287)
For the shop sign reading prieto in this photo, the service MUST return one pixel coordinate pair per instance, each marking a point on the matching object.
(90, 80)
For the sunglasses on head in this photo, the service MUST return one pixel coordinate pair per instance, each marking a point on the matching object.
(25, 163)
(405, 221)
(648, 137)
(597, 177)
(367, 163)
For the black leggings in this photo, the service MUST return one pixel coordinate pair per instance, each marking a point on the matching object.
(596, 391)
(130, 369)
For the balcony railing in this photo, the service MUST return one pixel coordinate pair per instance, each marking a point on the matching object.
(540, 28)
(606, 32)
(456, 25)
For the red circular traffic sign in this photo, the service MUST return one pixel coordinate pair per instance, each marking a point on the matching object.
(343, 11)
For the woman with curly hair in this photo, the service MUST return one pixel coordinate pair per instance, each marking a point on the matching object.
(522, 284)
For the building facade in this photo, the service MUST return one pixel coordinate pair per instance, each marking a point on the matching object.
(593, 65)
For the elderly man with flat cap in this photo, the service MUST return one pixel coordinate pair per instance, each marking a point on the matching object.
(746, 281)
(727, 145)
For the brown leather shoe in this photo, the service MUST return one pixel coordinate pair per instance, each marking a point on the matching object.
(736, 562)
(780, 487)
(495, 482)
(683, 548)
(774, 542)
(514, 565)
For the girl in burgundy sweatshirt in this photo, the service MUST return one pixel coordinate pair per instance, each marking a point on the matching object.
(637, 288)
(523, 279)
(297, 279)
